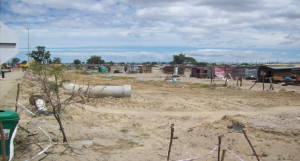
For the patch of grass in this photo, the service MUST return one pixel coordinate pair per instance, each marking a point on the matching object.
(291, 157)
(145, 135)
(282, 90)
(264, 154)
(121, 78)
(117, 77)
(84, 73)
(225, 85)
(132, 143)
(198, 85)
(170, 118)
(124, 131)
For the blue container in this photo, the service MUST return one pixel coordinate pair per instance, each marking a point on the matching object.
(174, 80)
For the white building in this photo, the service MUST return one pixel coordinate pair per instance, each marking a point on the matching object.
(9, 43)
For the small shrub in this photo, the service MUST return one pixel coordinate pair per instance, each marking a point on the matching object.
(146, 135)
(282, 90)
(77, 67)
(264, 154)
(124, 131)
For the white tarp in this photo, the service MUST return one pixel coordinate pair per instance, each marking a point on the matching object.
(9, 43)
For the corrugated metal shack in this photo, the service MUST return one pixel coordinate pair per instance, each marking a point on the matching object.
(277, 72)
(112, 68)
(169, 69)
(174, 70)
(133, 69)
(146, 69)
(296, 71)
(199, 72)
(248, 73)
(93, 66)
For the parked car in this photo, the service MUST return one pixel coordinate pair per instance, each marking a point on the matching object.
(118, 71)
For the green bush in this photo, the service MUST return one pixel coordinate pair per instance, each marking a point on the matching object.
(282, 90)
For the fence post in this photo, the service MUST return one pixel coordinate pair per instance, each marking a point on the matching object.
(244, 131)
(171, 139)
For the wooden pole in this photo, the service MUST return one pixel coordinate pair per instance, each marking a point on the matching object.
(211, 75)
(171, 139)
(2, 142)
(271, 83)
(263, 82)
(244, 131)
(241, 81)
(223, 155)
(16, 110)
(230, 76)
(255, 83)
(237, 81)
(219, 149)
(297, 78)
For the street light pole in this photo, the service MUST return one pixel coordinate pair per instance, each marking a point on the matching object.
(28, 44)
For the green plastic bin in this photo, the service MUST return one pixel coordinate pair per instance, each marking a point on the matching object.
(9, 121)
(101, 69)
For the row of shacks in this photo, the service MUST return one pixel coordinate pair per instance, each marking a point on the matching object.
(175, 70)
(217, 72)
(277, 73)
(128, 68)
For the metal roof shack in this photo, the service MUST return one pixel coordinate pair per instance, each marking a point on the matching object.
(277, 72)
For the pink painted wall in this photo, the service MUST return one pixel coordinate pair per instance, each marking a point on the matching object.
(220, 71)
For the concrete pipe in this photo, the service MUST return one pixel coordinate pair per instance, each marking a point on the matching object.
(100, 91)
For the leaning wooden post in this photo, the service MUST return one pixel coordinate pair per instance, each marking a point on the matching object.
(16, 110)
(223, 155)
(244, 131)
(255, 83)
(2, 142)
(171, 139)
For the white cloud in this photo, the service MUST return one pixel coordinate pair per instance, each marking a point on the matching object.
(285, 43)
(235, 41)
(135, 35)
(283, 53)
(233, 24)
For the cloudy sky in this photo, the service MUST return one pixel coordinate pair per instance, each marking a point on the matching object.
(219, 31)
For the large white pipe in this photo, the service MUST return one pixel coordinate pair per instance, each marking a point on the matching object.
(100, 91)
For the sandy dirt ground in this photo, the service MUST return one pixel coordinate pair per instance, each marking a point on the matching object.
(138, 128)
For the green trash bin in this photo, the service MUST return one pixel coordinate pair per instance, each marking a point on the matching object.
(9, 121)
